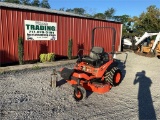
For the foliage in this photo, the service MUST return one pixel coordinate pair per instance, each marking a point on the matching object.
(35, 67)
(62, 9)
(100, 16)
(47, 57)
(126, 21)
(50, 57)
(35, 3)
(109, 13)
(148, 21)
(12, 1)
(70, 44)
(20, 50)
(25, 2)
(43, 58)
(45, 4)
(79, 11)
(122, 18)
(69, 10)
(88, 15)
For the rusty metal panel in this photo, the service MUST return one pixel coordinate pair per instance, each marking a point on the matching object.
(77, 28)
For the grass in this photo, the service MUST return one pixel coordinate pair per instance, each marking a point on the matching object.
(36, 67)
(2, 72)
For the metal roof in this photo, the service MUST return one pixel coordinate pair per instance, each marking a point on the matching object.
(33, 8)
(27, 7)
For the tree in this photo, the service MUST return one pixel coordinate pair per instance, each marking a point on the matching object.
(45, 4)
(109, 13)
(126, 21)
(79, 11)
(70, 10)
(25, 2)
(20, 50)
(35, 3)
(62, 9)
(148, 21)
(13, 1)
(88, 15)
(100, 16)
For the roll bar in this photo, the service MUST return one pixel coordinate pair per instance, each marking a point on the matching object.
(113, 36)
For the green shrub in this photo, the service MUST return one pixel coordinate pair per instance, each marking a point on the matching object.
(47, 57)
(50, 57)
(20, 50)
(43, 57)
(70, 44)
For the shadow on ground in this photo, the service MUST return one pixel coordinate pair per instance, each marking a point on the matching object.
(122, 65)
(145, 102)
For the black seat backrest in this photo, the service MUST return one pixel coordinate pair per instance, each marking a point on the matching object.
(96, 52)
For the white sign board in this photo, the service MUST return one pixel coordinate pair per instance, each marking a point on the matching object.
(40, 30)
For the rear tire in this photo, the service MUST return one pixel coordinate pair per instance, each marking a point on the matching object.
(114, 76)
(79, 93)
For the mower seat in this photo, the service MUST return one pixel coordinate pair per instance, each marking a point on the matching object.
(95, 56)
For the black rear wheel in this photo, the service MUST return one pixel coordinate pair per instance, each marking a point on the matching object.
(79, 93)
(114, 76)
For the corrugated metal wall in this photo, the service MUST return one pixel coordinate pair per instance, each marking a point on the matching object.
(79, 29)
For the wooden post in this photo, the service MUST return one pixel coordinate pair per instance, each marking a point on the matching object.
(54, 78)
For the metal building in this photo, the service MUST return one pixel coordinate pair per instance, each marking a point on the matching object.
(46, 31)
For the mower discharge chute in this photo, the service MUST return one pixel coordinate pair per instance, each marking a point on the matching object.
(97, 72)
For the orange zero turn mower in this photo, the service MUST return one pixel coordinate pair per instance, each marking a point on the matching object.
(97, 72)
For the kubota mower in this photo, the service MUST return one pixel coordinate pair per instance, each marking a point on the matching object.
(97, 72)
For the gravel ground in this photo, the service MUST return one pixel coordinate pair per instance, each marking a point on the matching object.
(27, 94)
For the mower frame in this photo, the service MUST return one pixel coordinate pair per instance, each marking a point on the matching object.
(96, 79)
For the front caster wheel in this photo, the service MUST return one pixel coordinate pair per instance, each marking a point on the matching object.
(79, 93)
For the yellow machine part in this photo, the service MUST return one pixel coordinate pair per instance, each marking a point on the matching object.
(158, 49)
(147, 49)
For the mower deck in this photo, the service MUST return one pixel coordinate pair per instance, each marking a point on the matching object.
(94, 87)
